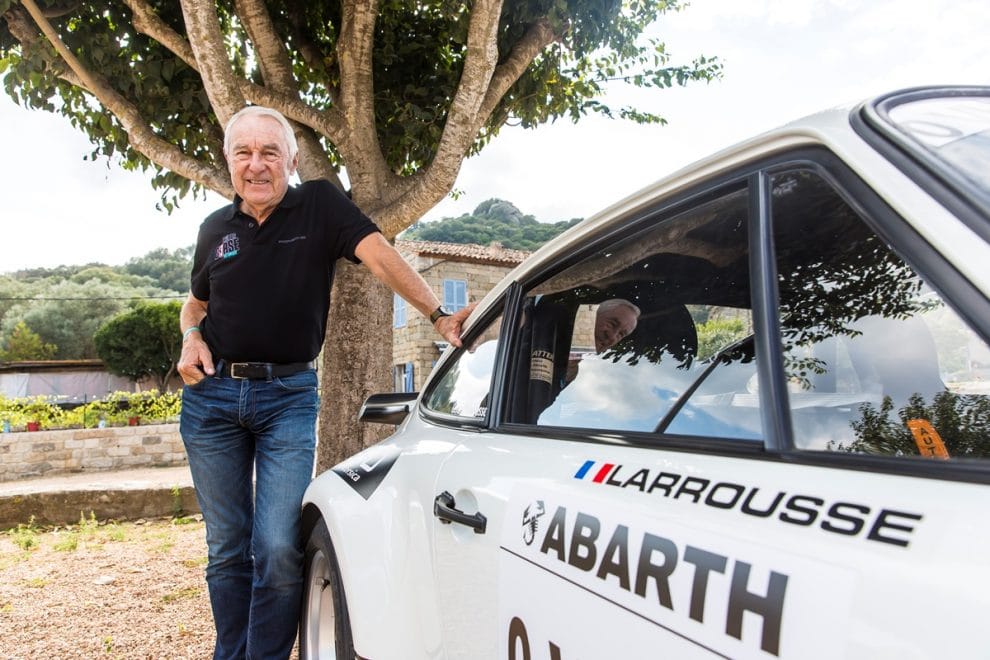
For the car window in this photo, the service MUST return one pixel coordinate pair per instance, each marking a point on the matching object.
(725, 399)
(876, 361)
(955, 129)
(464, 388)
(615, 341)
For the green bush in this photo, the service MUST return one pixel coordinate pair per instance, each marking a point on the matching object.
(115, 410)
(20, 412)
(716, 334)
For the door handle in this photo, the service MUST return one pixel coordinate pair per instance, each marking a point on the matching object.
(444, 509)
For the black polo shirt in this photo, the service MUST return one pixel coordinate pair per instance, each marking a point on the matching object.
(268, 286)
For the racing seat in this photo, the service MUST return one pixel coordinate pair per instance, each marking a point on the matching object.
(544, 345)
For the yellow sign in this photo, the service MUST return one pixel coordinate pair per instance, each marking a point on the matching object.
(927, 438)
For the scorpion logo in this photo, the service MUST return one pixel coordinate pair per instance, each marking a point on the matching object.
(531, 517)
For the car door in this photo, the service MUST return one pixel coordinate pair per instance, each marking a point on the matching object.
(785, 457)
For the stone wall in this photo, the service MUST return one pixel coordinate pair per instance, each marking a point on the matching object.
(47, 453)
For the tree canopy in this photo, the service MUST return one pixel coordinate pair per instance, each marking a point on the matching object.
(25, 344)
(494, 220)
(396, 92)
(169, 270)
(146, 341)
(64, 306)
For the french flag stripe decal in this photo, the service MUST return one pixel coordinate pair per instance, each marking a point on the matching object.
(600, 477)
(584, 469)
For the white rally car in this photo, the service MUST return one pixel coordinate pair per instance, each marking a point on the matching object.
(743, 413)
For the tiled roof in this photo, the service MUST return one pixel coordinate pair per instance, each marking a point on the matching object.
(486, 254)
(53, 365)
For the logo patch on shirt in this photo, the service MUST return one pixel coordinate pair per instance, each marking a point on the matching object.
(229, 247)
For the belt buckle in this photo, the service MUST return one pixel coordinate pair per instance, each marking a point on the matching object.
(236, 369)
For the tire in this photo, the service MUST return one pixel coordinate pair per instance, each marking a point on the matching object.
(324, 627)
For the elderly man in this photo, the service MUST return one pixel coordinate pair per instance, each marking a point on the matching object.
(614, 319)
(252, 326)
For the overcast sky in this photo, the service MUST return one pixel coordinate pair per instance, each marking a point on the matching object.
(783, 59)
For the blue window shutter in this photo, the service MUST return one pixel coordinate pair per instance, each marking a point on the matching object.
(410, 381)
(454, 294)
(398, 311)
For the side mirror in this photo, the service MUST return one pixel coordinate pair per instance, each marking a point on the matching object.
(387, 408)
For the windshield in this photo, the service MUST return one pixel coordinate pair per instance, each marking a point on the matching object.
(956, 130)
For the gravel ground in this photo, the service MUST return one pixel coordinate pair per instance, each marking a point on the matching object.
(105, 590)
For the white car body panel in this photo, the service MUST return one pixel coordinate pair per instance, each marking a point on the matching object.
(854, 584)
(860, 565)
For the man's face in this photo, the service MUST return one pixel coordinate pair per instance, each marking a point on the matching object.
(260, 165)
(612, 325)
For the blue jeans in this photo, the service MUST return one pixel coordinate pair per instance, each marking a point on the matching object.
(231, 429)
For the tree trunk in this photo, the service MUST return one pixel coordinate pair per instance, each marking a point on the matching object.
(357, 359)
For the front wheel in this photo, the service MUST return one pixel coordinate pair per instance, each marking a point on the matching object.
(324, 628)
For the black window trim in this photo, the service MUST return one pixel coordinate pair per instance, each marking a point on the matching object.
(506, 306)
(871, 121)
(775, 411)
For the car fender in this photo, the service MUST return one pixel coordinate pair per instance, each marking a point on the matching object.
(383, 546)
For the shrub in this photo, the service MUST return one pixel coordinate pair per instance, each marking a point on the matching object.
(114, 410)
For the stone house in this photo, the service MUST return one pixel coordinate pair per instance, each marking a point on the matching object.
(459, 273)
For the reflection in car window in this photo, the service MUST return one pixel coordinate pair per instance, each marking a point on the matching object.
(725, 403)
(464, 388)
(876, 362)
(955, 129)
(615, 342)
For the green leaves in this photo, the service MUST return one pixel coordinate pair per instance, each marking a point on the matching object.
(419, 55)
(494, 220)
(145, 341)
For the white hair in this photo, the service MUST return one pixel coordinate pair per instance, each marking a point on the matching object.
(617, 302)
(259, 110)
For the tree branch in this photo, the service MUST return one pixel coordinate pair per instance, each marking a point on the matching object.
(206, 39)
(276, 69)
(460, 129)
(140, 135)
(25, 31)
(311, 54)
(358, 141)
(537, 37)
(147, 22)
(424, 189)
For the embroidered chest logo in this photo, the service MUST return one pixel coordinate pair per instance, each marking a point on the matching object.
(228, 247)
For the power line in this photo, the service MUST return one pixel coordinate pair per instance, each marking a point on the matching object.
(178, 295)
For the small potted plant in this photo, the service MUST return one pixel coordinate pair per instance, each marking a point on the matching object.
(39, 413)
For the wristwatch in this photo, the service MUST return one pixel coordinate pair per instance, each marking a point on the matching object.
(436, 314)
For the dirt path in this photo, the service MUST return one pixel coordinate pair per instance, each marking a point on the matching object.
(128, 590)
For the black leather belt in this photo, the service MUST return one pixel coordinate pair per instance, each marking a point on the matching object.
(258, 370)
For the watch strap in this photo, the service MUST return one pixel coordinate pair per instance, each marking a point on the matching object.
(438, 313)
